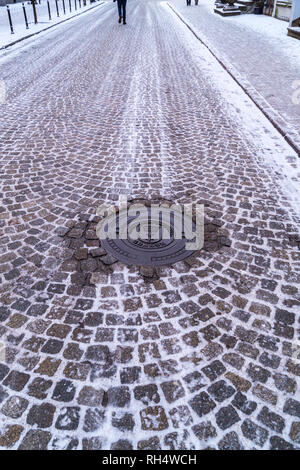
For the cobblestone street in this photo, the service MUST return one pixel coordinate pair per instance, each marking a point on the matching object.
(98, 355)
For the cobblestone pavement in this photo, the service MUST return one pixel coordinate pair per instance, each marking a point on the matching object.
(268, 62)
(102, 356)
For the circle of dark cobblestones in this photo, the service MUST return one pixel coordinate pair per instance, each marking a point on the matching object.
(91, 255)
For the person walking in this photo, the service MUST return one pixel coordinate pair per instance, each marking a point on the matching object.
(122, 10)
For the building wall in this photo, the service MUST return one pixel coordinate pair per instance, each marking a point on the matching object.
(295, 10)
(283, 9)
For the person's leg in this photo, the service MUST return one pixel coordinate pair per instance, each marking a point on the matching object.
(120, 10)
(124, 11)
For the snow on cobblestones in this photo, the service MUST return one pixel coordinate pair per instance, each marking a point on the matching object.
(258, 51)
(266, 26)
(104, 356)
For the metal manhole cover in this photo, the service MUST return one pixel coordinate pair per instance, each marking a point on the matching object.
(151, 240)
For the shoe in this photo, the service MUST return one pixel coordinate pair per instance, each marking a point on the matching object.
(120, 19)
(124, 22)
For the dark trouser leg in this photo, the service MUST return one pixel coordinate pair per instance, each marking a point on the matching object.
(124, 10)
(120, 7)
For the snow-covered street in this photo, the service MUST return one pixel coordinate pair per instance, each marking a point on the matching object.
(200, 354)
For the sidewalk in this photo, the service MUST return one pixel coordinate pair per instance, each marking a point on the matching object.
(17, 16)
(258, 50)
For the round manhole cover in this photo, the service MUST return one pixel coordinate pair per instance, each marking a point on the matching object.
(149, 238)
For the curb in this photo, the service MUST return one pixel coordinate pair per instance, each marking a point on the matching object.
(48, 27)
(289, 134)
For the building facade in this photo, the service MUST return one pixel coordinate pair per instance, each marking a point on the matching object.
(280, 9)
(294, 27)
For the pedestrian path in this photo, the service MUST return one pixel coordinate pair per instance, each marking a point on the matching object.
(258, 48)
(46, 17)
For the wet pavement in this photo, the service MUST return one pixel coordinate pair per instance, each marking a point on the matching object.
(196, 355)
